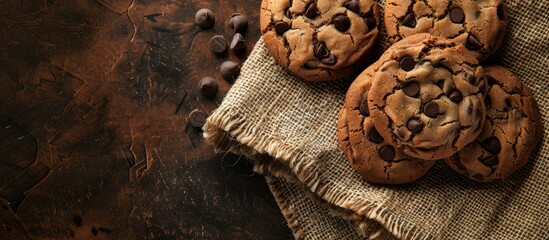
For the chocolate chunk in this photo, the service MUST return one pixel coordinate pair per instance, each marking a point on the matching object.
(342, 23)
(288, 14)
(374, 136)
(411, 89)
(238, 42)
(204, 18)
(473, 43)
(281, 27)
(353, 6)
(321, 51)
(431, 109)
(77, 220)
(407, 63)
(239, 23)
(312, 11)
(492, 145)
(414, 125)
(208, 86)
(330, 60)
(457, 15)
(455, 96)
(370, 22)
(440, 84)
(501, 12)
(364, 108)
(229, 70)
(490, 161)
(387, 153)
(218, 44)
(197, 118)
(409, 20)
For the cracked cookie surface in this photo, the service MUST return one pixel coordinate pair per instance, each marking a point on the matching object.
(427, 96)
(511, 131)
(319, 40)
(479, 25)
(367, 152)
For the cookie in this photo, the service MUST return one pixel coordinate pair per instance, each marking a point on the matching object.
(511, 131)
(478, 25)
(319, 40)
(367, 152)
(427, 96)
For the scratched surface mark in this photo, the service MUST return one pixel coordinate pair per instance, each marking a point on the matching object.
(94, 140)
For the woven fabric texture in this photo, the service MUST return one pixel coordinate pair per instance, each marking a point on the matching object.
(287, 126)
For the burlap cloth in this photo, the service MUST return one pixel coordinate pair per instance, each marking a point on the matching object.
(287, 127)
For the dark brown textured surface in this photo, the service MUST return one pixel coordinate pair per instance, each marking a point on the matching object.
(94, 134)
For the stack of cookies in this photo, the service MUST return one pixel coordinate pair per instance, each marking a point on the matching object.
(427, 98)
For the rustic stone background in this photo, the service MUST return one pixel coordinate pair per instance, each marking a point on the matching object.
(94, 140)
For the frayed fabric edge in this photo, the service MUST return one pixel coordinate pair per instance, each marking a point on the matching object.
(228, 131)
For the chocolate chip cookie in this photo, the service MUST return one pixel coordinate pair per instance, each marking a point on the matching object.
(427, 96)
(367, 152)
(479, 25)
(509, 135)
(322, 39)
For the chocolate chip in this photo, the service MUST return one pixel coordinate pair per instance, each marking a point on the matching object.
(364, 108)
(387, 153)
(508, 103)
(491, 80)
(409, 20)
(370, 22)
(470, 108)
(312, 11)
(238, 42)
(321, 51)
(281, 27)
(204, 18)
(330, 60)
(288, 14)
(471, 80)
(457, 15)
(411, 89)
(431, 109)
(414, 125)
(239, 23)
(353, 6)
(492, 145)
(77, 220)
(473, 43)
(229, 70)
(501, 12)
(407, 63)
(374, 136)
(490, 161)
(197, 118)
(208, 86)
(455, 96)
(342, 23)
(481, 85)
(218, 44)
(311, 65)
(440, 84)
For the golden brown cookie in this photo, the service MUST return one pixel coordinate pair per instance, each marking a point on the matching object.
(367, 152)
(426, 97)
(479, 25)
(511, 131)
(322, 39)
